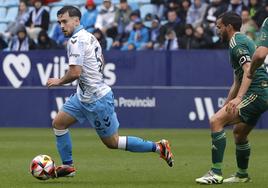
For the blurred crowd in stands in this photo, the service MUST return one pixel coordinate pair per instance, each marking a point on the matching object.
(128, 24)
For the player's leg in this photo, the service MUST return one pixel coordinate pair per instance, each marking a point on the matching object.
(63, 139)
(137, 144)
(68, 115)
(105, 121)
(241, 132)
(217, 123)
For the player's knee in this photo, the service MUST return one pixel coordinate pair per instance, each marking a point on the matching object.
(213, 121)
(239, 137)
(57, 124)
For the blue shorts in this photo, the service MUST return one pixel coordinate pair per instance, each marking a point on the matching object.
(100, 114)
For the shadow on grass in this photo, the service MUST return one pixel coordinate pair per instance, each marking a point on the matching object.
(105, 182)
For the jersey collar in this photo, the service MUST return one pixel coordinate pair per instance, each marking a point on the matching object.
(78, 28)
(233, 36)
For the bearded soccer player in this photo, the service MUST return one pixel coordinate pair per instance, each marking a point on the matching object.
(244, 105)
(93, 100)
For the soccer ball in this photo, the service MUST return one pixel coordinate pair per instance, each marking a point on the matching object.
(42, 167)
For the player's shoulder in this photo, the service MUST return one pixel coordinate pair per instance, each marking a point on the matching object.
(238, 39)
(265, 23)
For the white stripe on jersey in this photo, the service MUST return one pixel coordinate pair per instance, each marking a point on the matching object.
(84, 49)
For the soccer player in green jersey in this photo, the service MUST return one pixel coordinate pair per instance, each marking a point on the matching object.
(262, 50)
(244, 105)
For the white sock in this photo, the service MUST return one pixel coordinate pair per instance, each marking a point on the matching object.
(59, 132)
(157, 149)
(122, 142)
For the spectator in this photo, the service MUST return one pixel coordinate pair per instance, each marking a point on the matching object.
(138, 37)
(105, 19)
(38, 20)
(214, 9)
(186, 41)
(236, 6)
(160, 7)
(44, 42)
(21, 18)
(196, 13)
(174, 23)
(247, 23)
(3, 43)
(184, 7)
(201, 39)
(261, 14)
(154, 33)
(21, 41)
(254, 6)
(88, 19)
(122, 18)
(120, 39)
(173, 5)
(171, 42)
(101, 38)
(59, 37)
(135, 15)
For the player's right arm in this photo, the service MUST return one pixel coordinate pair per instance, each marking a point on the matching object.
(233, 90)
(71, 75)
(262, 50)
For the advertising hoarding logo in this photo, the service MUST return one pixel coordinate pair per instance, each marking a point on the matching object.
(16, 68)
(202, 109)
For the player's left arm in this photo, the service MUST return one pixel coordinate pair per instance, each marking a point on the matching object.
(257, 59)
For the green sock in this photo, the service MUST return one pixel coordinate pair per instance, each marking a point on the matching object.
(218, 147)
(242, 158)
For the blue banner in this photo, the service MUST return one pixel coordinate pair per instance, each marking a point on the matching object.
(153, 89)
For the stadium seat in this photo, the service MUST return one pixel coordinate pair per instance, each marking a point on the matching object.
(134, 6)
(116, 1)
(146, 9)
(109, 41)
(3, 27)
(12, 13)
(53, 13)
(82, 9)
(2, 3)
(143, 1)
(78, 2)
(98, 2)
(3, 12)
(51, 29)
(10, 3)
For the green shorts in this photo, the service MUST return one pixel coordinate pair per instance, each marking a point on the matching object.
(251, 108)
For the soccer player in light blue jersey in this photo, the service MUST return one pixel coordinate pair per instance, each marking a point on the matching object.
(93, 100)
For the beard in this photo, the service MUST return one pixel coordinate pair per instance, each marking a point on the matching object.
(224, 37)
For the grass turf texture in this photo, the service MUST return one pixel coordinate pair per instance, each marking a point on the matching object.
(100, 167)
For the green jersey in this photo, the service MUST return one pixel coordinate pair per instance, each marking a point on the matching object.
(241, 49)
(263, 37)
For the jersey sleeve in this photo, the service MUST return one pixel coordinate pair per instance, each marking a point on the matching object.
(241, 54)
(75, 51)
(263, 36)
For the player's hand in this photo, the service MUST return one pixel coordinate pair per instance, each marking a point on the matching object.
(232, 105)
(53, 82)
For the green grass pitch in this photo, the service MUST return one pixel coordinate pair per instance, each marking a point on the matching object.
(100, 167)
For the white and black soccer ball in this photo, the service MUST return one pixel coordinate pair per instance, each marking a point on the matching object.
(42, 167)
